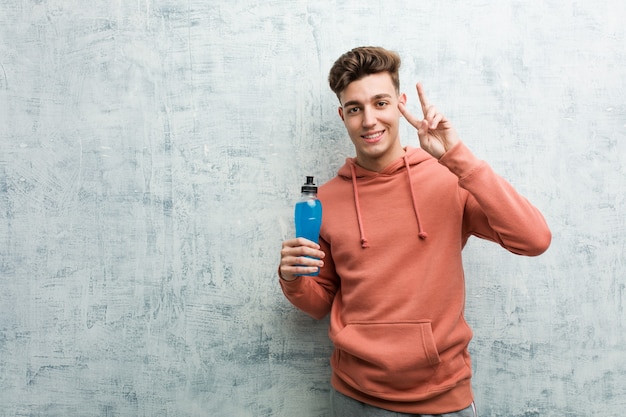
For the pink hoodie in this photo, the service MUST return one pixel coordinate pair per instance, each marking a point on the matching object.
(393, 278)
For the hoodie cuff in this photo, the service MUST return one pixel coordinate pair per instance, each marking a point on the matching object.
(283, 280)
(460, 160)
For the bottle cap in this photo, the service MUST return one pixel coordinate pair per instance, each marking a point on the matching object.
(310, 186)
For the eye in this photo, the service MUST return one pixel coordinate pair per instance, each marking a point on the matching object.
(382, 103)
(353, 110)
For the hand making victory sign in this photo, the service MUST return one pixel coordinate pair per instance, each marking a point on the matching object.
(435, 132)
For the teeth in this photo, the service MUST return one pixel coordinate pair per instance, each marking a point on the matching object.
(375, 135)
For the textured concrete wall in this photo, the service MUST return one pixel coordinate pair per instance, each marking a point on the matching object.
(151, 151)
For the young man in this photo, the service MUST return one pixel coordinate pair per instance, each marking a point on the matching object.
(390, 270)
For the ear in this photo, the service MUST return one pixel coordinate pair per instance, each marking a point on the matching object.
(340, 111)
(402, 98)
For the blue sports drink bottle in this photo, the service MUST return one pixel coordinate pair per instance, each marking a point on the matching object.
(308, 213)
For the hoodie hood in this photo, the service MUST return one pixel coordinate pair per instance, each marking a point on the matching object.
(352, 172)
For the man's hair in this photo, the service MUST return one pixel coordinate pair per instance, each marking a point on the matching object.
(360, 62)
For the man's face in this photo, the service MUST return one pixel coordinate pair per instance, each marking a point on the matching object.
(369, 110)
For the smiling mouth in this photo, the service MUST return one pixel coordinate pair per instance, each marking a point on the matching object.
(373, 137)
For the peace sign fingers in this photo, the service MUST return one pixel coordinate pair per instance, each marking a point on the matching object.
(435, 132)
(431, 114)
(420, 124)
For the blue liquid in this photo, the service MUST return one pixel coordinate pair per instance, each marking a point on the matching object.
(308, 218)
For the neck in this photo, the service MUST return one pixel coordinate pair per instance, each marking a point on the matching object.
(379, 164)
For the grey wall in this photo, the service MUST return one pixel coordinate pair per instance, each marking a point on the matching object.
(151, 151)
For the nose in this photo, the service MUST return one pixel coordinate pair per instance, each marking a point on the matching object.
(369, 119)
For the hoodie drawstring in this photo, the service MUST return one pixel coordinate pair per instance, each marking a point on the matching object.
(421, 233)
(364, 243)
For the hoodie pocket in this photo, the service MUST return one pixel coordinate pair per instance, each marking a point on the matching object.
(380, 358)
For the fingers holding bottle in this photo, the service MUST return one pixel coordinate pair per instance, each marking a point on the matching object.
(298, 257)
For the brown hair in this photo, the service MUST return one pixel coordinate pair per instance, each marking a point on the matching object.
(362, 61)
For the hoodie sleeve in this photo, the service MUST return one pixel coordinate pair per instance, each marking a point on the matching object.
(494, 210)
(314, 294)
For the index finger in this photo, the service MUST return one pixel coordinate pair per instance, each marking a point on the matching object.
(414, 121)
(300, 241)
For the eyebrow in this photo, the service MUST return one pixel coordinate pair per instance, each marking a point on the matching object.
(376, 97)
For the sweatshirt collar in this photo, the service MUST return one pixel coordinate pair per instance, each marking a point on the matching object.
(350, 170)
